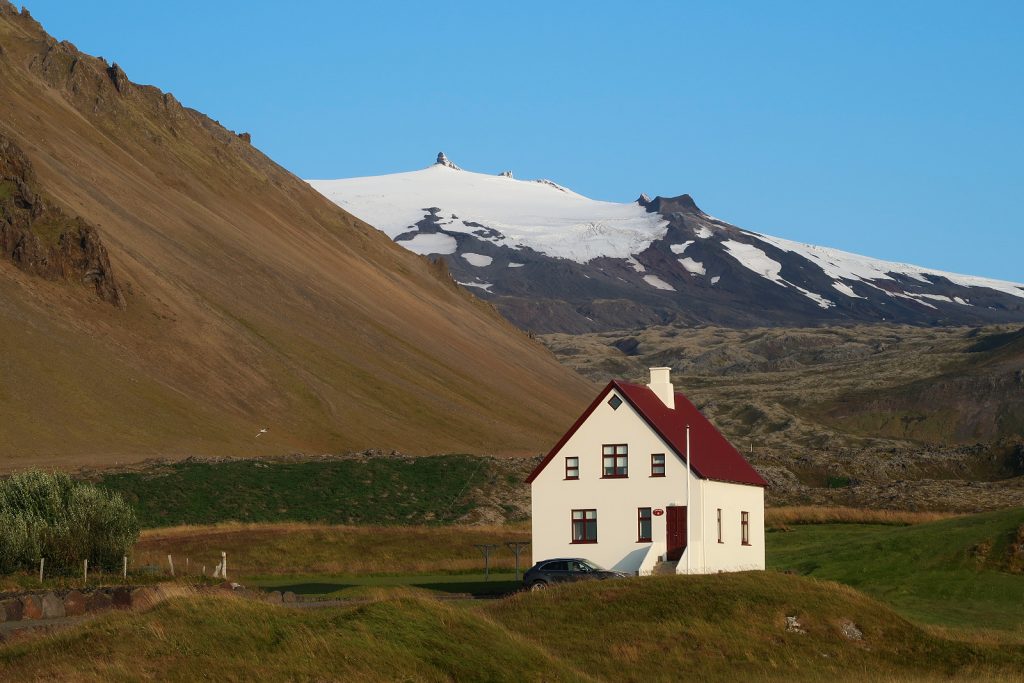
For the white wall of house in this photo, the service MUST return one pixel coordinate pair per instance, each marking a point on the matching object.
(730, 555)
(617, 501)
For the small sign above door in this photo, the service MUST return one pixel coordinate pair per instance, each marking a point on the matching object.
(658, 512)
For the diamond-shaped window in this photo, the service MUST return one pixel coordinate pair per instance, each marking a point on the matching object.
(615, 402)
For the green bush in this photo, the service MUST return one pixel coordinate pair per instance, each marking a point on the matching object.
(49, 515)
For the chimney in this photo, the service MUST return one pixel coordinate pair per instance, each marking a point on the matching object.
(661, 385)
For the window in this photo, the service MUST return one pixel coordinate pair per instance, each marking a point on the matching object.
(559, 566)
(657, 464)
(615, 459)
(720, 526)
(572, 468)
(584, 526)
(745, 527)
(643, 531)
(615, 402)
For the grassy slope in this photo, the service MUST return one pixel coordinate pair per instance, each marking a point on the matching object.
(729, 627)
(252, 300)
(371, 491)
(931, 572)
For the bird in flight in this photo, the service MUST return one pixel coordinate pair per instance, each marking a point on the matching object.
(262, 431)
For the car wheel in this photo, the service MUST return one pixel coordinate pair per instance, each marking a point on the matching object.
(538, 585)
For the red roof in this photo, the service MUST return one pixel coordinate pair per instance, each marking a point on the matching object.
(711, 454)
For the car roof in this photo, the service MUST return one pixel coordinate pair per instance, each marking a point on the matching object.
(565, 559)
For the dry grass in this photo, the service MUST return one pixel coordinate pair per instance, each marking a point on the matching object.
(299, 548)
(815, 514)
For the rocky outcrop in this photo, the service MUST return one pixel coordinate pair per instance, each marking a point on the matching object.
(40, 239)
(442, 160)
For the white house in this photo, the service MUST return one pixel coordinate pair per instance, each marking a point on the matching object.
(616, 489)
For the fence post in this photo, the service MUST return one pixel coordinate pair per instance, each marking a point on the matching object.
(124, 571)
(486, 549)
(85, 571)
(224, 565)
(42, 561)
(170, 562)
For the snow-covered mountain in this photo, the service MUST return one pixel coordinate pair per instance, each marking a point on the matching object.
(554, 260)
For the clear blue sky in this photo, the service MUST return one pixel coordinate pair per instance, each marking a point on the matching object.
(893, 129)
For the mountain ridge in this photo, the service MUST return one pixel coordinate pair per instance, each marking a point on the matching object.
(251, 301)
(565, 263)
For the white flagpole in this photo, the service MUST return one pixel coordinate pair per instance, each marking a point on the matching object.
(689, 511)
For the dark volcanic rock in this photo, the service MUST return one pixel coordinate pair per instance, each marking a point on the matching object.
(41, 240)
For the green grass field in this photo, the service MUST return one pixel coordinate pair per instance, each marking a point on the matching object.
(723, 627)
(376, 490)
(952, 572)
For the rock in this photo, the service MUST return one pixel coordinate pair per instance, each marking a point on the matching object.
(444, 161)
(52, 606)
(10, 609)
(31, 607)
(850, 631)
(74, 604)
(793, 625)
(505, 174)
(119, 78)
(289, 597)
(122, 598)
(98, 600)
(246, 137)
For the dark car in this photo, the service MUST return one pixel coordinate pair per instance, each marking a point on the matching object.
(565, 569)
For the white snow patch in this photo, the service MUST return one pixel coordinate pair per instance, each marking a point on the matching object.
(703, 233)
(658, 283)
(847, 290)
(843, 265)
(691, 266)
(637, 266)
(754, 259)
(431, 243)
(715, 279)
(541, 215)
(680, 248)
(478, 260)
(486, 286)
(516, 265)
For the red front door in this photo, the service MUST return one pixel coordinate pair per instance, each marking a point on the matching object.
(675, 525)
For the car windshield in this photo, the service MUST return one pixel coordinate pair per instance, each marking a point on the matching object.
(589, 566)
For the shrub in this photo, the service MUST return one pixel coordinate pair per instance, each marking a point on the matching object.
(50, 515)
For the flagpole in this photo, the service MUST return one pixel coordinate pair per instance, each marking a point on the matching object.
(689, 511)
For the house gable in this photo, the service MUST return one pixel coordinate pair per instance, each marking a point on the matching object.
(711, 454)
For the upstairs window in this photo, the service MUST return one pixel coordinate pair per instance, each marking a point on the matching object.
(643, 524)
(615, 463)
(745, 527)
(584, 526)
(572, 468)
(657, 464)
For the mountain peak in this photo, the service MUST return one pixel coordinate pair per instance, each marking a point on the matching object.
(442, 160)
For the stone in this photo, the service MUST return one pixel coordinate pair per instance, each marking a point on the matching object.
(246, 137)
(289, 597)
(98, 600)
(850, 631)
(53, 607)
(12, 609)
(31, 607)
(793, 625)
(74, 603)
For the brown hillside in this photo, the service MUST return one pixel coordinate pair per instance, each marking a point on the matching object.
(249, 299)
